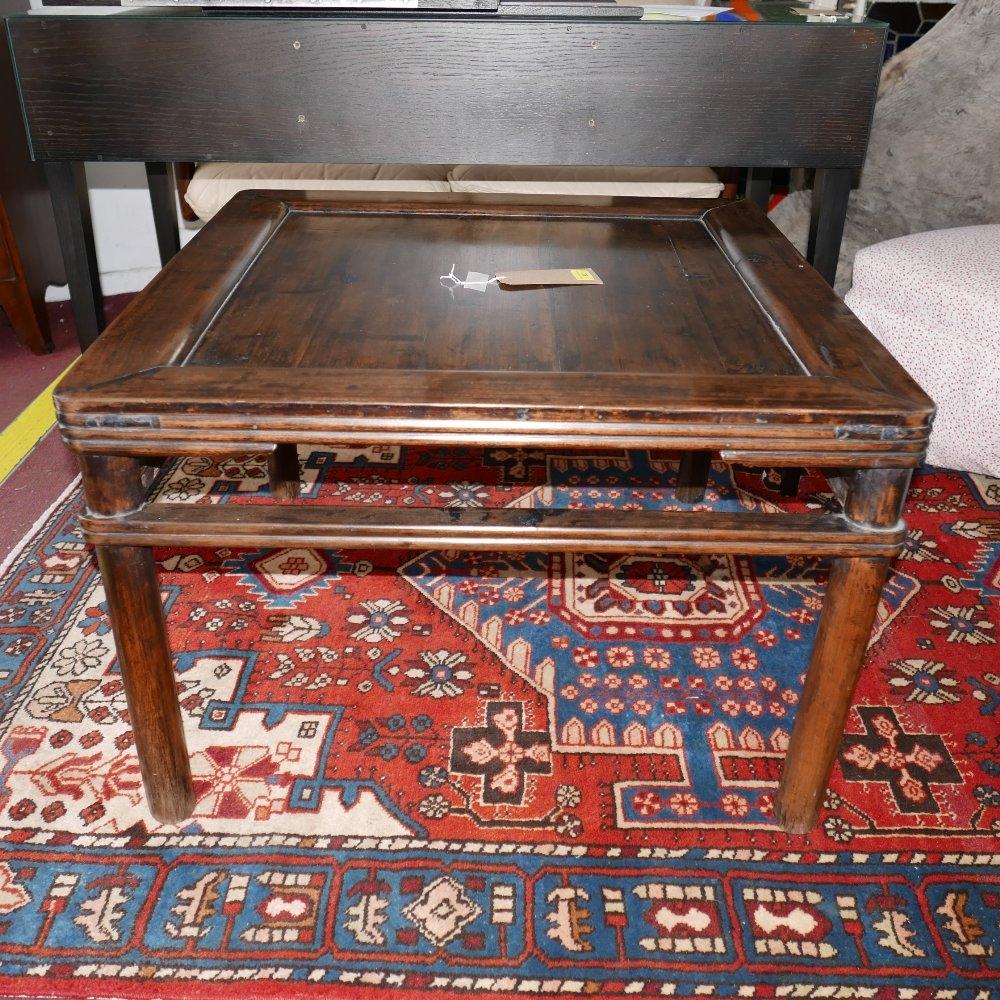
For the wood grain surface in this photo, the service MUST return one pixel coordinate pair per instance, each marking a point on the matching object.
(29, 249)
(873, 500)
(364, 293)
(708, 333)
(511, 529)
(359, 89)
(301, 318)
(112, 487)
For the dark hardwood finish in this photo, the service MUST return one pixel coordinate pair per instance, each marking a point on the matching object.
(415, 324)
(136, 612)
(145, 85)
(29, 248)
(25, 315)
(162, 195)
(692, 475)
(845, 626)
(71, 205)
(509, 529)
(709, 334)
(274, 283)
(7, 268)
(874, 500)
(362, 89)
(791, 476)
(825, 335)
(113, 487)
(283, 472)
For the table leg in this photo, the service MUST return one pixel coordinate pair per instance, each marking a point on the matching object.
(113, 486)
(874, 497)
(791, 476)
(160, 177)
(831, 190)
(71, 207)
(692, 475)
(852, 596)
(283, 472)
(758, 189)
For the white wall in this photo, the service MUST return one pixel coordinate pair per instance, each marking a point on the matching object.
(123, 228)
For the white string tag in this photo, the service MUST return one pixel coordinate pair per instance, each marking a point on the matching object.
(475, 281)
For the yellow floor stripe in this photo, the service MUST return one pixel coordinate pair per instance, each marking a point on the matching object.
(28, 428)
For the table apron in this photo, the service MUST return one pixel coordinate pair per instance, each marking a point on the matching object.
(776, 451)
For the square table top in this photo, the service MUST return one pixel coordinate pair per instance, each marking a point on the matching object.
(308, 317)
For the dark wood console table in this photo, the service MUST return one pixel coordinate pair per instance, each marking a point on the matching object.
(164, 86)
(29, 247)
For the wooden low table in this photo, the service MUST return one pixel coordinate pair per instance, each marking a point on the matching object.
(303, 318)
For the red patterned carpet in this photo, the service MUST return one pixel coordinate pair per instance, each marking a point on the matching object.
(452, 773)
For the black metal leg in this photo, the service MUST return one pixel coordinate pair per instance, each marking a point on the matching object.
(758, 188)
(71, 207)
(831, 189)
(160, 177)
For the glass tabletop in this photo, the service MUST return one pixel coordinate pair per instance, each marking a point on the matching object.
(733, 12)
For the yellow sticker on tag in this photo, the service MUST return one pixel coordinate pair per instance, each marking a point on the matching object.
(550, 276)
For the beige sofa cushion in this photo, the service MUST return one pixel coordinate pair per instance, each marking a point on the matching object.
(214, 184)
(640, 182)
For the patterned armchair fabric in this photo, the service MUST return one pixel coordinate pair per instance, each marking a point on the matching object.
(933, 299)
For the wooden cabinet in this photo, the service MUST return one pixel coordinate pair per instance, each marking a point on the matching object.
(25, 312)
(7, 272)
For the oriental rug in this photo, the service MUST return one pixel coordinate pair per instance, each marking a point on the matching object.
(444, 773)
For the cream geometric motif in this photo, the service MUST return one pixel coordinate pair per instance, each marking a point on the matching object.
(442, 911)
(687, 917)
(788, 922)
(291, 569)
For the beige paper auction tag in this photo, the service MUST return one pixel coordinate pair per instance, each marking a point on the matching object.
(555, 276)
